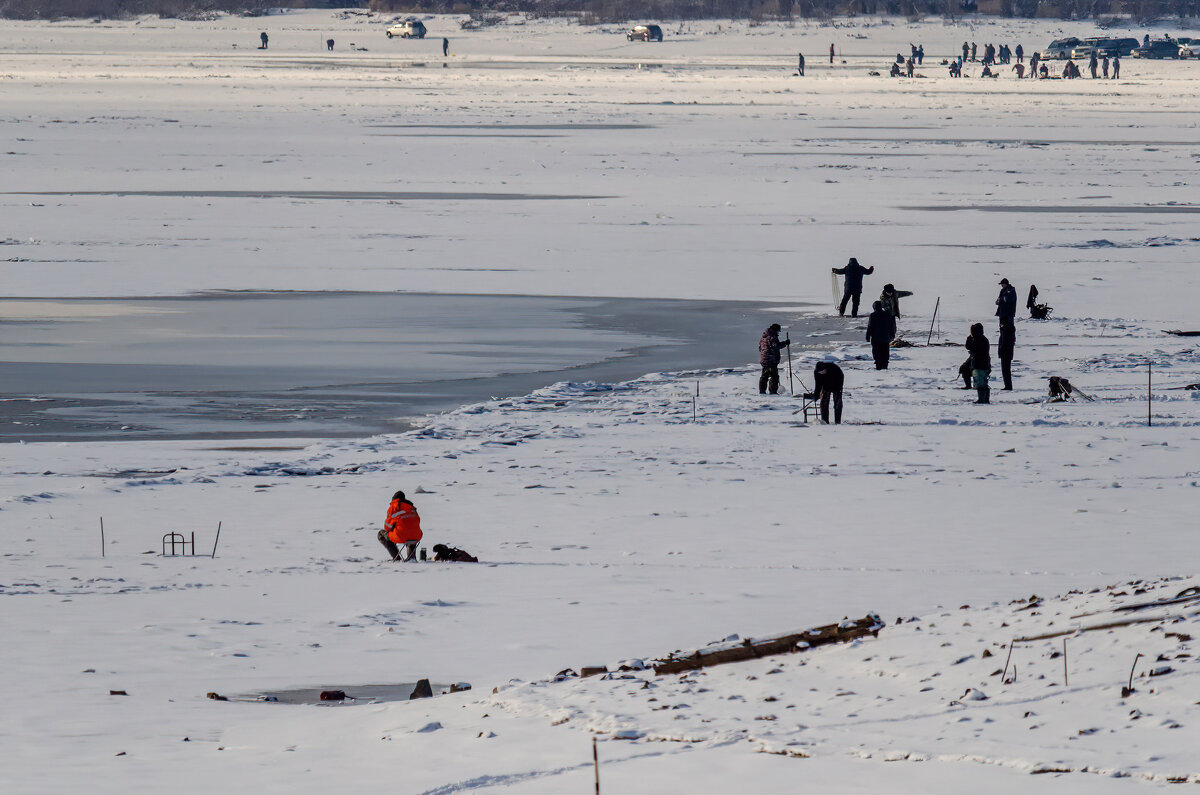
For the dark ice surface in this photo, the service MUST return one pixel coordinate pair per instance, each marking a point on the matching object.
(263, 365)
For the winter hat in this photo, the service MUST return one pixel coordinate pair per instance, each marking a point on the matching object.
(889, 288)
(853, 261)
(877, 305)
(776, 327)
(1004, 281)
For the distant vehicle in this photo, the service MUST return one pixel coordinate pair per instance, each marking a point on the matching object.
(408, 29)
(1190, 49)
(1104, 46)
(1158, 49)
(645, 33)
(1060, 49)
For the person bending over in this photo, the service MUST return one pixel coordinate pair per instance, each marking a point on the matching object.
(828, 380)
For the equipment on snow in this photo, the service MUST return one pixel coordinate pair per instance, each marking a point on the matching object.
(1061, 390)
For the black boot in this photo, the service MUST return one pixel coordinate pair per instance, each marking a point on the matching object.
(984, 394)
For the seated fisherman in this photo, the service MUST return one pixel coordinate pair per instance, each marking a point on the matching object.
(402, 528)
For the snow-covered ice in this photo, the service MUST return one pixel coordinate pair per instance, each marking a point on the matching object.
(611, 526)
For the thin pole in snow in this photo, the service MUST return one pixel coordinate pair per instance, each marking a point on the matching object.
(101, 536)
(1004, 675)
(791, 386)
(216, 541)
(1066, 677)
(596, 764)
(1149, 416)
(933, 319)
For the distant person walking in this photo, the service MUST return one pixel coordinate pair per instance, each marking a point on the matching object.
(981, 362)
(831, 53)
(445, 47)
(401, 528)
(329, 44)
(263, 38)
(800, 64)
(828, 381)
(852, 286)
(768, 358)
(1020, 54)
(881, 328)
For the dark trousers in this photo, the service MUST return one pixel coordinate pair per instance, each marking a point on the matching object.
(769, 379)
(882, 352)
(393, 550)
(837, 406)
(1006, 371)
(852, 299)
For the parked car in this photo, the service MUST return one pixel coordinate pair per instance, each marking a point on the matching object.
(1104, 46)
(1060, 49)
(645, 33)
(1158, 48)
(1191, 49)
(408, 29)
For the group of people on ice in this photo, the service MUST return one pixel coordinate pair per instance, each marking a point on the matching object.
(881, 334)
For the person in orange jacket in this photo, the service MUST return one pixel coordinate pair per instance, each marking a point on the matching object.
(401, 528)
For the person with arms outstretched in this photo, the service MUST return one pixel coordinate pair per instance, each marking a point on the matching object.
(852, 290)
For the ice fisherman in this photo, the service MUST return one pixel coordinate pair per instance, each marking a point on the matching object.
(830, 54)
(1005, 348)
(1006, 303)
(1020, 51)
(1116, 67)
(828, 380)
(768, 357)
(401, 528)
(981, 362)
(800, 64)
(890, 298)
(445, 47)
(881, 328)
(263, 38)
(852, 288)
(329, 44)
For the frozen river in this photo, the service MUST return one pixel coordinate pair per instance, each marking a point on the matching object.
(331, 364)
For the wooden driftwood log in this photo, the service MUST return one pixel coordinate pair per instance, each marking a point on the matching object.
(750, 648)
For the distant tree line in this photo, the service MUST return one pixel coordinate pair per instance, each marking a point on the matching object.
(598, 11)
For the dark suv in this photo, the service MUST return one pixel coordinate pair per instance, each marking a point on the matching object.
(645, 33)
(1159, 48)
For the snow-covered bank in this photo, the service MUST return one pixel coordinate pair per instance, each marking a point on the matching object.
(611, 526)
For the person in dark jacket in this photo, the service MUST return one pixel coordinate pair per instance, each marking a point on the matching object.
(852, 288)
(1005, 348)
(768, 357)
(445, 47)
(828, 380)
(981, 361)
(890, 298)
(1006, 303)
(881, 328)
(800, 64)
(264, 38)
